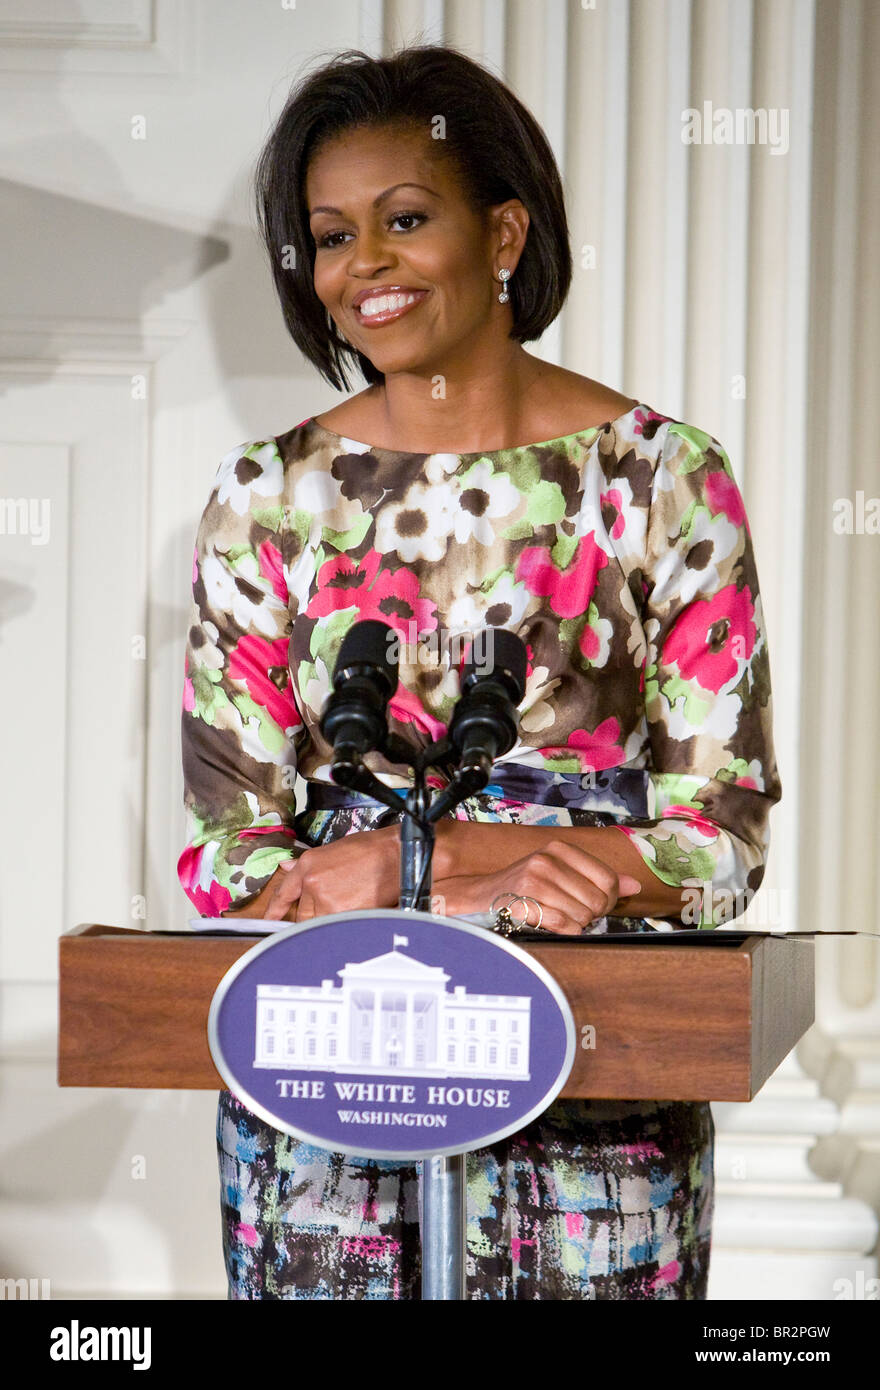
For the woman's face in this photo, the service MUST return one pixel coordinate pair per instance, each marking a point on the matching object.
(388, 215)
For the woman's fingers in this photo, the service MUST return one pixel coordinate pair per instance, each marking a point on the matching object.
(287, 887)
(572, 886)
(561, 867)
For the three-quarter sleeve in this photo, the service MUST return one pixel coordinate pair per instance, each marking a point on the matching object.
(240, 726)
(713, 775)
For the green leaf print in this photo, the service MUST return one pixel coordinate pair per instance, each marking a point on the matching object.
(260, 863)
(494, 578)
(521, 468)
(235, 553)
(270, 517)
(570, 633)
(652, 687)
(734, 770)
(300, 525)
(695, 709)
(546, 504)
(327, 635)
(563, 551)
(237, 816)
(520, 530)
(691, 519)
(679, 789)
(350, 539)
(271, 737)
(699, 442)
(673, 864)
(208, 694)
(562, 764)
(701, 445)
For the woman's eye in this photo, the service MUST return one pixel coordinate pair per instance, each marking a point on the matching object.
(408, 217)
(329, 238)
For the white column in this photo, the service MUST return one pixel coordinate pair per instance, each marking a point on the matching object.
(783, 1227)
(409, 1034)
(376, 1042)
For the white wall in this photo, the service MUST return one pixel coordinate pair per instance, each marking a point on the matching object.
(139, 341)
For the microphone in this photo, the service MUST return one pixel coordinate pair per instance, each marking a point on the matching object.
(484, 721)
(354, 719)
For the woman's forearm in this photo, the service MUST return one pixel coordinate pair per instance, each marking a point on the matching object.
(465, 848)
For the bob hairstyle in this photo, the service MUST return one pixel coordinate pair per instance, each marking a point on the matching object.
(497, 146)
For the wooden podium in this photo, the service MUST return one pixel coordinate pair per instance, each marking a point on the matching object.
(657, 1018)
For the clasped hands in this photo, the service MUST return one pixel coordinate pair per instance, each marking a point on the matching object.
(361, 870)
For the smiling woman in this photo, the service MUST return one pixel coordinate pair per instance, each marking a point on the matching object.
(471, 153)
(415, 223)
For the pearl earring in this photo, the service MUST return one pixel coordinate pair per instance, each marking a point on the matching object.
(504, 276)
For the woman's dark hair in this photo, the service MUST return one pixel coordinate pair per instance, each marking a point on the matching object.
(497, 145)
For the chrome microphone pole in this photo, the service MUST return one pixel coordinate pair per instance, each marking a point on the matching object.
(442, 1180)
(483, 727)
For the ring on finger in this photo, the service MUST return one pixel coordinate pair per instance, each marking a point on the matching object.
(509, 897)
(523, 921)
(537, 924)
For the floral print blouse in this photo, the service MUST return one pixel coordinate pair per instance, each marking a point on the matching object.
(621, 555)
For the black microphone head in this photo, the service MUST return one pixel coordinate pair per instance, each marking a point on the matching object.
(497, 651)
(370, 643)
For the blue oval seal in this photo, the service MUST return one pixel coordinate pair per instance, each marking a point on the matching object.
(392, 1034)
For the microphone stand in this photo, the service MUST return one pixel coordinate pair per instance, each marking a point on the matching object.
(442, 1185)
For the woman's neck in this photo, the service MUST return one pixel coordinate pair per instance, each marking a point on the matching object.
(453, 412)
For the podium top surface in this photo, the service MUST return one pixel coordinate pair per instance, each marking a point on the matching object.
(659, 1015)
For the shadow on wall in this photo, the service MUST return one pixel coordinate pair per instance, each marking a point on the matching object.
(65, 259)
(69, 261)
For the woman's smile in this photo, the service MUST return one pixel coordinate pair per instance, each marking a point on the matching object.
(384, 306)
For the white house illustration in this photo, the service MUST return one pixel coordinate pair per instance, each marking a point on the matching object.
(392, 1011)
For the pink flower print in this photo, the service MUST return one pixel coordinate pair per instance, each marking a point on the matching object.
(568, 590)
(405, 707)
(391, 596)
(253, 660)
(589, 642)
(612, 498)
(705, 827)
(266, 830)
(189, 695)
(271, 568)
(645, 417)
(597, 750)
(211, 904)
(710, 635)
(723, 495)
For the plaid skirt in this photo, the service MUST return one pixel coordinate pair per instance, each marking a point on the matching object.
(595, 1199)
